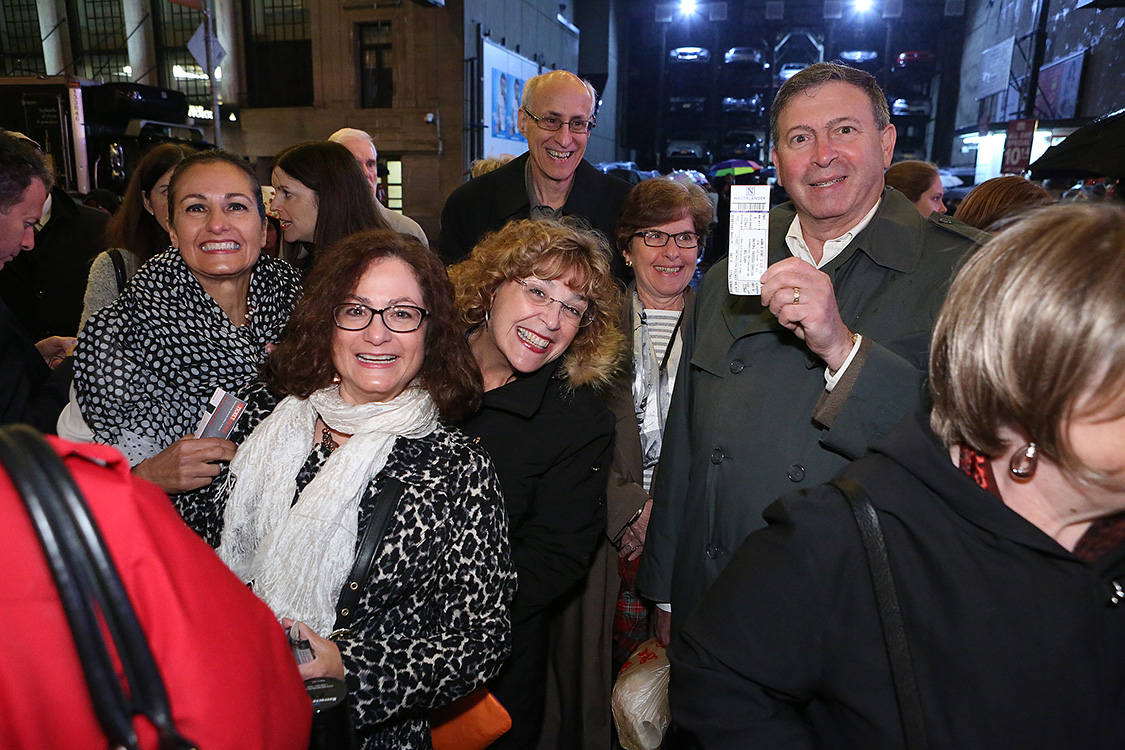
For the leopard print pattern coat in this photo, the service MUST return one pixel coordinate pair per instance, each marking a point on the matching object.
(433, 623)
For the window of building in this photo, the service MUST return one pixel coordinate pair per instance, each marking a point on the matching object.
(177, 69)
(97, 36)
(375, 65)
(21, 52)
(393, 181)
(278, 40)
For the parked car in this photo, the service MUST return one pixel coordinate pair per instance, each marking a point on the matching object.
(790, 69)
(687, 149)
(690, 54)
(741, 144)
(687, 104)
(916, 60)
(751, 104)
(744, 55)
(910, 107)
(859, 55)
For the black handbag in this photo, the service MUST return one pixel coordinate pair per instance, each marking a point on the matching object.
(88, 584)
(333, 727)
(890, 613)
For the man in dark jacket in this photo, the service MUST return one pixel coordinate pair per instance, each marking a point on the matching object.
(781, 392)
(551, 179)
(45, 289)
(27, 392)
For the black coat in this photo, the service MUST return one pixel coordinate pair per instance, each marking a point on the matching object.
(1016, 642)
(551, 447)
(45, 287)
(29, 391)
(492, 200)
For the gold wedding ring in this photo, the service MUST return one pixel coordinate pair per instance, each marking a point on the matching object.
(796, 295)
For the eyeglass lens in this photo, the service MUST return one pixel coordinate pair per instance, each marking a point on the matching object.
(656, 238)
(540, 298)
(397, 318)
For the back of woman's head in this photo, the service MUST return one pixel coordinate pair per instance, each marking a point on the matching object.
(911, 177)
(1030, 334)
(133, 227)
(345, 204)
(657, 201)
(302, 361)
(549, 249)
(997, 202)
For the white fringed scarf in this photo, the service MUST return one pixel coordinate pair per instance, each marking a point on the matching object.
(298, 554)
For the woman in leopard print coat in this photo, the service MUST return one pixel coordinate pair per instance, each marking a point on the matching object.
(433, 619)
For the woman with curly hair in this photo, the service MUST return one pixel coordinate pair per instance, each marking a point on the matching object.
(357, 398)
(541, 309)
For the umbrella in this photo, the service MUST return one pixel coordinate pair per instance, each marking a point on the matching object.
(733, 167)
(1096, 149)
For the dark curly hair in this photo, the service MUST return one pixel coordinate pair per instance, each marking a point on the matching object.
(302, 361)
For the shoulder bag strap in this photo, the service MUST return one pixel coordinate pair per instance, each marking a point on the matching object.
(118, 268)
(890, 613)
(85, 576)
(385, 504)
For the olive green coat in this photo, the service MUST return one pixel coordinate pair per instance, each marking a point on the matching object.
(750, 419)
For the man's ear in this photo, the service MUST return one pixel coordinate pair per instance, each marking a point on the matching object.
(888, 137)
(773, 156)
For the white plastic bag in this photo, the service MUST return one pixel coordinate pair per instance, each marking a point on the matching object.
(640, 698)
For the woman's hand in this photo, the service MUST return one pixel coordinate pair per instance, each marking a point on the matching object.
(633, 540)
(54, 349)
(327, 661)
(187, 464)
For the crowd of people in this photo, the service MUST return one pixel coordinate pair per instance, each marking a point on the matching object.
(506, 463)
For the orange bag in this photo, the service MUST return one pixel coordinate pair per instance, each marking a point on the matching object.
(470, 723)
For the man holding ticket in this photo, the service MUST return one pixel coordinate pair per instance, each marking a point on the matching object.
(780, 390)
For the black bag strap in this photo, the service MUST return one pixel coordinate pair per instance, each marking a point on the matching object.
(890, 613)
(385, 504)
(118, 267)
(89, 585)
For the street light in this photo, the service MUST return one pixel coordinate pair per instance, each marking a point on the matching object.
(687, 7)
(863, 6)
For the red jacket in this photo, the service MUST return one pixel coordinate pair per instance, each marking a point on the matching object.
(231, 678)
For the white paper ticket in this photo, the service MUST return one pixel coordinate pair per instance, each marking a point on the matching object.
(749, 222)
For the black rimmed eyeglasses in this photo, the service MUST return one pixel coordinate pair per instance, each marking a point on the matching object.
(656, 238)
(397, 318)
(577, 126)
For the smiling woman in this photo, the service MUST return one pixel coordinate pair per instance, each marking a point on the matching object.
(357, 398)
(541, 309)
(195, 318)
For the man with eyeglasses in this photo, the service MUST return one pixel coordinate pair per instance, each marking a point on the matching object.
(550, 180)
(780, 391)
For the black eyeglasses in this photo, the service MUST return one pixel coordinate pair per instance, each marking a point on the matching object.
(656, 238)
(577, 126)
(398, 318)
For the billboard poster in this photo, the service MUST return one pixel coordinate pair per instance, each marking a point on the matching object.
(504, 73)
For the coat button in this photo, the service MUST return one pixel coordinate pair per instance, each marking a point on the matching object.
(796, 473)
(717, 456)
(737, 366)
(713, 551)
